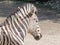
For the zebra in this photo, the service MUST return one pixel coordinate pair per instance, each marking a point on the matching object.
(18, 24)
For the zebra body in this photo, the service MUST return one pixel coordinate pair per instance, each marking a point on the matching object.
(15, 27)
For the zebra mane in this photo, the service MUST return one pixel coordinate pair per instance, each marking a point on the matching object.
(30, 13)
(18, 9)
(13, 13)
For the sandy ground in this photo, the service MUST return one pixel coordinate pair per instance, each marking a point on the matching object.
(49, 22)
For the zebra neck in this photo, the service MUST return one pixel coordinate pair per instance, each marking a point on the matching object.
(16, 24)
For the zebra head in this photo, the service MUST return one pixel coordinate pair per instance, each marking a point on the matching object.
(34, 27)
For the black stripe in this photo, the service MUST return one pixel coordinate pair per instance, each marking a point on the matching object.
(12, 42)
(8, 19)
(25, 14)
(8, 36)
(15, 25)
(11, 30)
(20, 23)
(3, 39)
(12, 24)
(19, 27)
(23, 19)
(3, 36)
(15, 42)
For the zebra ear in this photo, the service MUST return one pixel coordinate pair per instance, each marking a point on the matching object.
(31, 12)
(18, 8)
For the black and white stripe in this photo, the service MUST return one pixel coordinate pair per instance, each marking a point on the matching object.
(14, 29)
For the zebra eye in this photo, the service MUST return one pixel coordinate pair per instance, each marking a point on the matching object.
(36, 20)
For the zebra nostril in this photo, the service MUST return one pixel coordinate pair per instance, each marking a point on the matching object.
(38, 30)
(37, 37)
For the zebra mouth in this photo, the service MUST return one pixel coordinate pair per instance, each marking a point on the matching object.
(38, 37)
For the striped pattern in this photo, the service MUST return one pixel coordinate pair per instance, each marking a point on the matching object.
(15, 27)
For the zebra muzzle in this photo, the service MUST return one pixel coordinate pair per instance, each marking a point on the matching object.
(38, 37)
